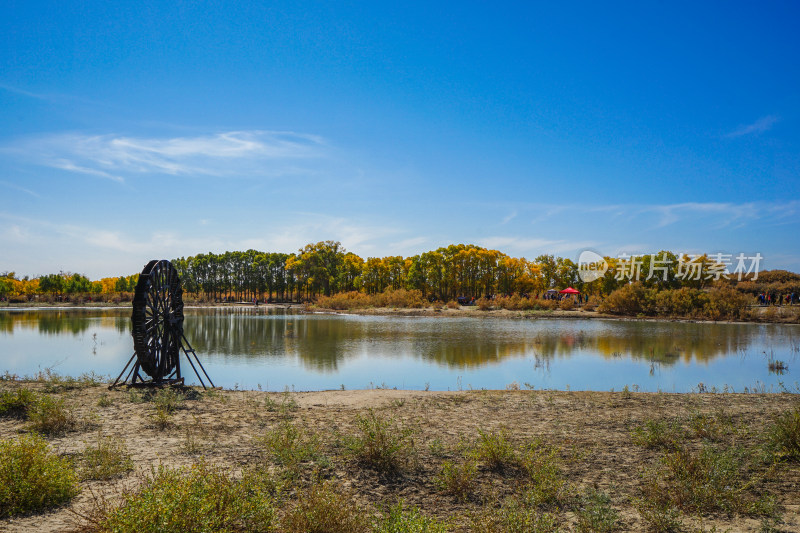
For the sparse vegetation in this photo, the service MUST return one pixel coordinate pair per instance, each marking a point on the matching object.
(51, 416)
(710, 480)
(403, 519)
(657, 434)
(306, 466)
(108, 459)
(324, 508)
(458, 479)
(545, 481)
(516, 515)
(382, 444)
(783, 436)
(495, 450)
(199, 498)
(32, 478)
(596, 515)
(55, 382)
(17, 403)
(290, 445)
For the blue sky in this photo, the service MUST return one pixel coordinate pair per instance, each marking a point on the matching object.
(140, 130)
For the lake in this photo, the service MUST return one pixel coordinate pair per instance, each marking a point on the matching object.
(273, 349)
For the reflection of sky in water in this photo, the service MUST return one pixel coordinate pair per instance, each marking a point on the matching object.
(248, 347)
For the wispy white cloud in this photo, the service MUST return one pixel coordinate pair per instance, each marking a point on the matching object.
(409, 246)
(29, 94)
(716, 215)
(233, 153)
(65, 164)
(759, 126)
(20, 189)
(509, 217)
(533, 246)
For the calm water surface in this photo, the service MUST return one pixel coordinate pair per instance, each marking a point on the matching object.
(271, 348)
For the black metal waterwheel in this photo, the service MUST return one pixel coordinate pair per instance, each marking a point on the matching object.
(157, 319)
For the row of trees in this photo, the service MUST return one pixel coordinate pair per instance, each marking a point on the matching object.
(326, 268)
(64, 285)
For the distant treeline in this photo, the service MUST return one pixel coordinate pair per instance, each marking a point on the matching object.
(459, 270)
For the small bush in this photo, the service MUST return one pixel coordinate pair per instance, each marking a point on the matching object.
(712, 428)
(567, 304)
(382, 444)
(710, 480)
(107, 460)
(657, 434)
(400, 519)
(659, 516)
(167, 399)
(17, 403)
(54, 382)
(596, 515)
(32, 478)
(457, 480)
(516, 515)
(200, 498)
(161, 418)
(399, 298)
(546, 482)
(325, 509)
(290, 445)
(495, 450)
(284, 408)
(104, 401)
(51, 417)
(783, 436)
(483, 303)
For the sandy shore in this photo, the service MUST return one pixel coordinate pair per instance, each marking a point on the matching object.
(591, 431)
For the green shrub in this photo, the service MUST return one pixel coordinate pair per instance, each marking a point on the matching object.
(400, 519)
(105, 401)
(711, 480)
(17, 403)
(658, 515)
(323, 508)
(783, 436)
(286, 406)
(657, 434)
(52, 417)
(546, 484)
(516, 515)
(107, 460)
(32, 478)
(167, 399)
(382, 444)
(200, 498)
(54, 382)
(457, 480)
(596, 515)
(290, 445)
(495, 450)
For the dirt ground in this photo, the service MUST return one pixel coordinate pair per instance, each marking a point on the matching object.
(591, 430)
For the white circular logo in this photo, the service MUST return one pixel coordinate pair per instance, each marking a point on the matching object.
(591, 266)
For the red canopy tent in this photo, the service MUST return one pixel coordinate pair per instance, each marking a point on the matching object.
(570, 290)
